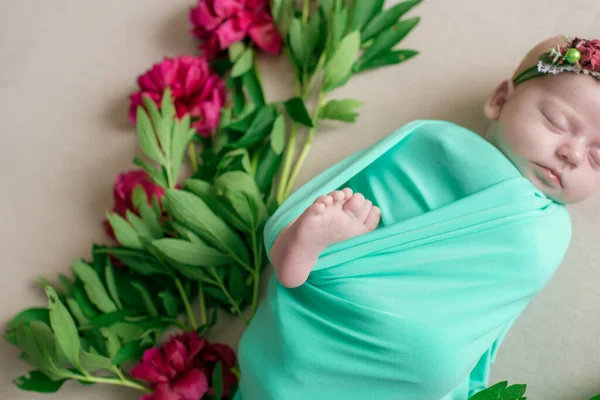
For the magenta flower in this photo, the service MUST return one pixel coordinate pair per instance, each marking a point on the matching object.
(182, 368)
(125, 183)
(195, 88)
(590, 53)
(220, 23)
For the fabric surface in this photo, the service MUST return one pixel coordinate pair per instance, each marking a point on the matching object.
(417, 308)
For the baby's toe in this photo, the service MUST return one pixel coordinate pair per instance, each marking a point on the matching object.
(325, 199)
(373, 218)
(354, 205)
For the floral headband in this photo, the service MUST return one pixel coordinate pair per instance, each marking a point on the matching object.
(580, 56)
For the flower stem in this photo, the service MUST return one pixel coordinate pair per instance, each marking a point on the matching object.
(306, 148)
(186, 304)
(193, 156)
(305, 10)
(287, 163)
(203, 318)
(227, 294)
(122, 381)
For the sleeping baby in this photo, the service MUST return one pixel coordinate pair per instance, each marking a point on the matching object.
(400, 269)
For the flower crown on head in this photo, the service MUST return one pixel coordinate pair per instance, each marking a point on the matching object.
(579, 55)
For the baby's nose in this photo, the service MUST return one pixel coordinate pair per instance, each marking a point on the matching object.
(571, 151)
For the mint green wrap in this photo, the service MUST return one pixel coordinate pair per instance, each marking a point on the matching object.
(417, 308)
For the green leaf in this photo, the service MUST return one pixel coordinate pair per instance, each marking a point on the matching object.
(243, 195)
(160, 124)
(254, 88)
(139, 196)
(388, 39)
(216, 203)
(297, 43)
(514, 392)
(104, 320)
(278, 135)
(139, 225)
(157, 176)
(217, 382)
(151, 220)
(283, 12)
(113, 344)
(146, 297)
(259, 129)
(490, 393)
(147, 138)
(37, 381)
(386, 58)
(91, 362)
(64, 328)
(111, 284)
(313, 33)
(129, 352)
(364, 11)
(139, 261)
(93, 287)
(167, 108)
(28, 315)
(195, 254)
(340, 65)
(386, 19)
(237, 159)
(341, 110)
(297, 111)
(236, 285)
(195, 214)
(39, 346)
(83, 301)
(66, 285)
(127, 331)
(236, 50)
(267, 169)
(244, 63)
(77, 312)
(169, 303)
(124, 232)
(182, 136)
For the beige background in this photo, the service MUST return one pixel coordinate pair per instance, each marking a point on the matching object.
(67, 67)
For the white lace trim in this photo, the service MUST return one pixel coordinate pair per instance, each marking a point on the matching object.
(557, 69)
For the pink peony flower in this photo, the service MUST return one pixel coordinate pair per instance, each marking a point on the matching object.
(125, 183)
(207, 360)
(170, 372)
(181, 369)
(590, 53)
(220, 23)
(195, 89)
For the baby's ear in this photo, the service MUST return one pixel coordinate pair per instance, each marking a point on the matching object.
(497, 99)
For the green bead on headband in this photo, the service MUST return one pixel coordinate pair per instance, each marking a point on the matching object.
(579, 56)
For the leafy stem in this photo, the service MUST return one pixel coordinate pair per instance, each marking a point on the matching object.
(122, 381)
(307, 146)
(186, 304)
(193, 156)
(203, 318)
(227, 294)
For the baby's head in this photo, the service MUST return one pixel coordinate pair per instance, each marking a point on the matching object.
(551, 121)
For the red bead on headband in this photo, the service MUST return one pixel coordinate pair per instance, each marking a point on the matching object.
(579, 56)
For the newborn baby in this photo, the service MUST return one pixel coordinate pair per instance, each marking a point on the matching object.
(401, 282)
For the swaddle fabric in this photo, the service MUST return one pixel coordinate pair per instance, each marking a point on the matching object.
(417, 308)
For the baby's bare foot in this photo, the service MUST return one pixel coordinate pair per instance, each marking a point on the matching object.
(332, 218)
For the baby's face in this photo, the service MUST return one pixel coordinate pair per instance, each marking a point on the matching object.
(553, 122)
